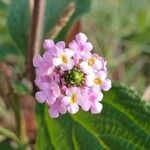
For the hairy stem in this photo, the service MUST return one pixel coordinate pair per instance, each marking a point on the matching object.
(35, 35)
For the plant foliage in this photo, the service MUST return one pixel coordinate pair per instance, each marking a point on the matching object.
(123, 124)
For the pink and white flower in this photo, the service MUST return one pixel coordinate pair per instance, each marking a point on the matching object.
(91, 63)
(80, 45)
(43, 64)
(98, 81)
(49, 45)
(49, 93)
(63, 58)
(70, 78)
(57, 108)
(72, 99)
(92, 100)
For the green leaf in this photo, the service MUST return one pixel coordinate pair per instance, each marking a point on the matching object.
(123, 124)
(4, 145)
(54, 9)
(81, 8)
(3, 6)
(53, 12)
(7, 49)
(43, 140)
(18, 22)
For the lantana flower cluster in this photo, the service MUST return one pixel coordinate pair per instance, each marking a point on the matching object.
(70, 77)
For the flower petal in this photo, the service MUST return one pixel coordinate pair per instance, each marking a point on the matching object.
(47, 56)
(73, 108)
(98, 65)
(40, 97)
(106, 85)
(102, 75)
(73, 45)
(58, 51)
(53, 113)
(37, 60)
(99, 96)
(55, 88)
(49, 70)
(69, 53)
(86, 104)
(51, 99)
(56, 61)
(96, 108)
(61, 44)
(86, 68)
(66, 100)
(81, 38)
(49, 44)
(67, 66)
(88, 46)
(89, 80)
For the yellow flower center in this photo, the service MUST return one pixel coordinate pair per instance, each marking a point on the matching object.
(98, 81)
(91, 61)
(64, 59)
(73, 98)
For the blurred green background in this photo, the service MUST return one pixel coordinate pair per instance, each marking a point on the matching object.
(120, 31)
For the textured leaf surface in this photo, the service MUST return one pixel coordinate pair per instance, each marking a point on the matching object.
(123, 124)
(18, 21)
(43, 140)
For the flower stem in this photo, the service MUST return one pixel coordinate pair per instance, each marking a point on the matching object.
(35, 37)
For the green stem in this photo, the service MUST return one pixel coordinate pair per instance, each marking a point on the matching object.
(16, 109)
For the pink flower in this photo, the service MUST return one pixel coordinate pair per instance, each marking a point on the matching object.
(62, 58)
(49, 45)
(80, 46)
(92, 100)
(72, 99)
(70, 78)
(98, 81)
(40, 81)
(57, 108)
(49, 93)
(91, 63)
(43, 64)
